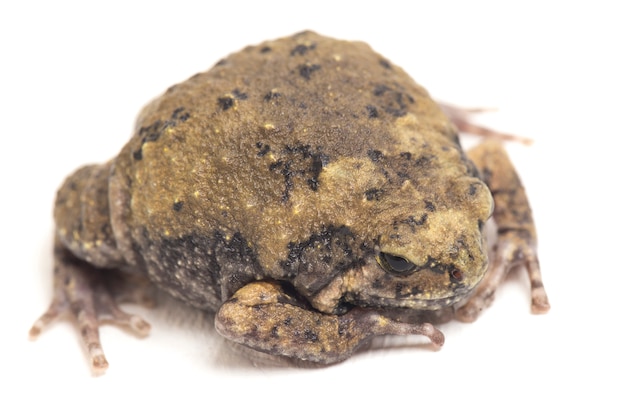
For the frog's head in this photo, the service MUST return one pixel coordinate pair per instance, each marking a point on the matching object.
(431, 254)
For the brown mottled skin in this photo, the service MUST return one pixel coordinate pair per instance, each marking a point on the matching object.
(305, 189)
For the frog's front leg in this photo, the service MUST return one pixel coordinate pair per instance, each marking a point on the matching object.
(517, 238)
(264, 317)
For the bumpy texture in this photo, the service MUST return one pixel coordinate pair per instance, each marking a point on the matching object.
(309, 163)
(294, 159)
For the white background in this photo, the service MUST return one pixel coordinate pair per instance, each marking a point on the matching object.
(74, 75)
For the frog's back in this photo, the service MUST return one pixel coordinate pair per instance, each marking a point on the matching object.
(233, 159)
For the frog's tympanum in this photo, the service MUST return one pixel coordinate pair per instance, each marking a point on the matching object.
(308, 192)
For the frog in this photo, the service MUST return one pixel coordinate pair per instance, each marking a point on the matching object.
(308, 193)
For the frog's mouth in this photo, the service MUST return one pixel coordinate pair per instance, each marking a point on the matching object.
(416, 302)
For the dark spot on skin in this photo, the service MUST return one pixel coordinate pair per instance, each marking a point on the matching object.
(393, 101)
(429, 206)
(274, 332)
(220, 63)
(403, 174)
(228, 101)
(287, 321)
(472, 189)
(177, 206)
(401, 293)
(380, 89)
(373, 194)
(302, 49)
(424, 160)
(385, 64)
(536, 284)
(413, 223)
(263, 149)
(225, 102)
(271, 96)
(177, 112)
(317, 163)
(265, 49)
(399, 288)
(310, 335)
(375, 155)
(239, 95)
(287, 173)
(406, 155)
(275, 165)
(307, 70)
(300, 162)
(153, 132)
(372, 112)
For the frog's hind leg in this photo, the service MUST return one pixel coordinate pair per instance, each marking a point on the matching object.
(461, 118)
(517, 238)
(86, 263)
(265, 317)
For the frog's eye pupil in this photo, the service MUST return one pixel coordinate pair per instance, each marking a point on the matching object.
(396, 264)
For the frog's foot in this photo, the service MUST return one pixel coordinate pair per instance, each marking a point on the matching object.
(82, 292)
(461, 117)
(264, 317)
(516, 231)
(512, 251)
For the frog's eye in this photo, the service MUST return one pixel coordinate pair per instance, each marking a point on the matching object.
(395, 264)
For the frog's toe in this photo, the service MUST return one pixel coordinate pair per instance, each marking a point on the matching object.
(462, 119)
(81, 307)
(539, 297)
(81, 293)
(512, 251)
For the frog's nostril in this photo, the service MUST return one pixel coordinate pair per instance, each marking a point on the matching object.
(456, 275)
